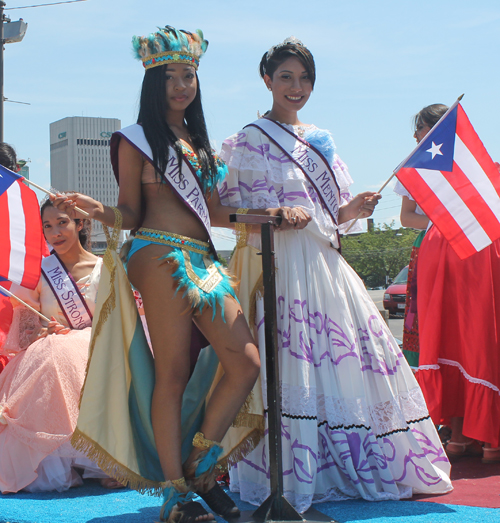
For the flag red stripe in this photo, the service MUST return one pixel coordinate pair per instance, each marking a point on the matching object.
(470, 138)
(4, 235)
(432, 206)
(32, 267)
(474, 201)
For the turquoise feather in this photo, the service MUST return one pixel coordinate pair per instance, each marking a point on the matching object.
(208, 462)
(216, 297)
(171, 496)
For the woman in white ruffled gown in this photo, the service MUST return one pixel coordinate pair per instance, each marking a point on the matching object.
(354, 421)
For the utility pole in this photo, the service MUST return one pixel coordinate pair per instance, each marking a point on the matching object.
(15, 33)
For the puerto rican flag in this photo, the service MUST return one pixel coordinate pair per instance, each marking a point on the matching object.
(453, 179)
(21, 237)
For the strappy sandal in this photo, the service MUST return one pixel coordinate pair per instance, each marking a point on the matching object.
(456, 450)
(494, 455)
(200, 474)
(218, 501)
(179, 506)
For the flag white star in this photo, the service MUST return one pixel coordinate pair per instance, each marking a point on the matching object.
(435, 149)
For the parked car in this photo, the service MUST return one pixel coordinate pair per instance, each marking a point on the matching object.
(395, 294)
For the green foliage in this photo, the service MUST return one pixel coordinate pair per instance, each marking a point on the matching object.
(380, 253)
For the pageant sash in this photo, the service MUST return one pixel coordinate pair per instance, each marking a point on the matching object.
(308, 159)
(183, 181)
(66, 291)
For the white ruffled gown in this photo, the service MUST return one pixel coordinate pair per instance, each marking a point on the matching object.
(354, 421)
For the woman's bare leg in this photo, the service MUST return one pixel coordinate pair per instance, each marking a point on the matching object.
(239, 358)
(170, 330)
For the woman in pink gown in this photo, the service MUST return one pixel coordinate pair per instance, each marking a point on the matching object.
(40, 386)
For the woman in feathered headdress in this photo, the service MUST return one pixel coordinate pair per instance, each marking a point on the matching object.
(168, 176)
(354, 421)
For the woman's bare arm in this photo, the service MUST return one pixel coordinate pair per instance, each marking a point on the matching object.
(409, 218)
(129, 198)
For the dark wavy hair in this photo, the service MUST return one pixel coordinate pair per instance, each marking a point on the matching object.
(85, 232)
(8, 156)
(271, 60)
(430, 115)
(152, 111)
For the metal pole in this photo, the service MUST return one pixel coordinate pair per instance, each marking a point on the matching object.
(275, 507)
(2, 42)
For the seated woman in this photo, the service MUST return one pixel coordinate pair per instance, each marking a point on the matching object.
(40, 387)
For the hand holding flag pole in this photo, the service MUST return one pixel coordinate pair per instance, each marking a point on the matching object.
(404, 161)
(81, 211)
(4, 290)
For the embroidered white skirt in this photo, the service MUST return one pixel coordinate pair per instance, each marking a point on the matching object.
(355, 424)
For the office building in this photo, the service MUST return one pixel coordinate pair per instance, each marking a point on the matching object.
(79, 161)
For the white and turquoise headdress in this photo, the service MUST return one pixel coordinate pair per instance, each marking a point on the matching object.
(169, 45)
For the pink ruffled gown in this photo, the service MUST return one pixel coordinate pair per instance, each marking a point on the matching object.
(39, 395)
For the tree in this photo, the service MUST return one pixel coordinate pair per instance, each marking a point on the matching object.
(380, 253)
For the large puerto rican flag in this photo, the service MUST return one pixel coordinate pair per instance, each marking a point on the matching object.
(21, 237)
(453, 179)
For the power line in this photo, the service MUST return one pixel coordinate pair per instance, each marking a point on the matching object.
(43, 5)
(384, 208)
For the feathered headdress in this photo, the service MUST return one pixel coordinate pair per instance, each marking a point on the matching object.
(168, 45)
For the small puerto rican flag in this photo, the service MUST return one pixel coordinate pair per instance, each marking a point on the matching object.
(21, 236)
(453, 179)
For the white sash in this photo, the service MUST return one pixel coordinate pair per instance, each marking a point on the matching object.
(184, 182)
(68, 295)
(308, 159)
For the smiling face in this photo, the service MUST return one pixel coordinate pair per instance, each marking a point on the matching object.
(181, 86)
(60, 230)
(290, 85)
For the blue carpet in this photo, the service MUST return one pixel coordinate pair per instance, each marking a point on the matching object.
(93, 504)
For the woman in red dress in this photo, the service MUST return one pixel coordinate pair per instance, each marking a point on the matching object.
(459, 331)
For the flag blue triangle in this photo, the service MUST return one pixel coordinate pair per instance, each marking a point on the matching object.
(437, 149)
(7, 178)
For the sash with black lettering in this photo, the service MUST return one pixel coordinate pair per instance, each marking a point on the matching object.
(183, 181)
(308, 159)
(66, 291)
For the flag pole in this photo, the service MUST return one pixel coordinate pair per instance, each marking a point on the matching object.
(406, 159)
(81, 211)
(3, 289)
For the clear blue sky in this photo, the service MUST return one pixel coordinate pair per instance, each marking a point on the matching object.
(378, 63)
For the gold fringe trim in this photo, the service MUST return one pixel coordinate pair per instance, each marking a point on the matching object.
(108, 306)
(251, 421)
(240, 451)
(245, 408)
(113, 468)
(200, 442)
(242, 230)
(257, 292)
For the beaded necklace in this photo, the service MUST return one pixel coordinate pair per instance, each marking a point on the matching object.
(192, 158)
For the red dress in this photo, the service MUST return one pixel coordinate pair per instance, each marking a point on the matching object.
(459, 324)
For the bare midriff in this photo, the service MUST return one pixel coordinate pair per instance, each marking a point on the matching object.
(166, 212)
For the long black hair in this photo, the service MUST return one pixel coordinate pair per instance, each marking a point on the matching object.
(152, 111)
